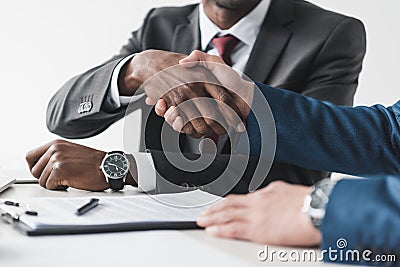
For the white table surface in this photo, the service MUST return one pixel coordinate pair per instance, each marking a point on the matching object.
(145, 248)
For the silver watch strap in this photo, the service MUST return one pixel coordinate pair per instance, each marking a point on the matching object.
(315, 203)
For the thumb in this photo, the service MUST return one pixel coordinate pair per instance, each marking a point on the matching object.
(194, 59)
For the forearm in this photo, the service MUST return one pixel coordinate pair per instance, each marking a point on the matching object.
(63, 115)
(99, 87)
(92, 86)
(321, 136)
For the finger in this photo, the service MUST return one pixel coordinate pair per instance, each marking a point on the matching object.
(222, 95)
(161, 107)
(34, 155)
(53, 181)
(191, 60)
(150, 102)
(192, 114)
(236, 230)
(202, 112)
(171, 114)
(189, 130)
(44, 176)
(177, 124)
(234, 117)
(199, 58)
(41, 164)
(223, 217)
(210, 113)
(231, 201)
(172, 118)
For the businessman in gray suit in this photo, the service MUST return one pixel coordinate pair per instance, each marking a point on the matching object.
(290, 44)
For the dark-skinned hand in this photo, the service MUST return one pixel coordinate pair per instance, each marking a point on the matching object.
(61, 164)
(159, 75)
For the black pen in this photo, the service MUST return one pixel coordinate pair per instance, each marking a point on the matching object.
(89, 206)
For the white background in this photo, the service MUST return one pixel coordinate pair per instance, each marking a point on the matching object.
(44, 42)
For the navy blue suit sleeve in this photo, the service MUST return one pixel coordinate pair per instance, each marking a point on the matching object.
(319, 135)
(365, 213)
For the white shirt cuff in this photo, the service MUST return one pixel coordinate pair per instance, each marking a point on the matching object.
(146, 171)
(113, 99)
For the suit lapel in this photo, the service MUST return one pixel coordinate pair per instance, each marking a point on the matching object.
(186, 36)
(271, 40)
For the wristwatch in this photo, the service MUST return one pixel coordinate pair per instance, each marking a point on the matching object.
(315, 203)
(115, 167)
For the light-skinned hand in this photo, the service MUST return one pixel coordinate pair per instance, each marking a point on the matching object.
(272, 215)
(239, 89)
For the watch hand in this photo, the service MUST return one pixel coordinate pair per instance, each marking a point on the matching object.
(116, 166)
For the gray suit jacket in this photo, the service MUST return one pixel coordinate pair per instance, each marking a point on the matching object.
(300, 47)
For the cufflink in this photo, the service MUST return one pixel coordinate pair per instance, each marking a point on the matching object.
(85, 106)
(185, 186)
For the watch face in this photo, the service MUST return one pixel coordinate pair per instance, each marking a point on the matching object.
(115, 166)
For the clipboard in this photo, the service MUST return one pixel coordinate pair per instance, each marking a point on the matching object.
(129, 227)
(167, 212)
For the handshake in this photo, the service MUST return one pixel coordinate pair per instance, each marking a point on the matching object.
(198, 95)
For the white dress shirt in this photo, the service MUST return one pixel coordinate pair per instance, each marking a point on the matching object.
(245, 30)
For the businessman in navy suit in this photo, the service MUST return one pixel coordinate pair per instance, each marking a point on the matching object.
(354, 140)
(362, 215)
(363, 141)
(313, 134)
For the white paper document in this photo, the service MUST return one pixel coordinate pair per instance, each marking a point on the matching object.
(61, 212)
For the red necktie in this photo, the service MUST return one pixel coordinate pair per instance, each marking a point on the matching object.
(225, 46)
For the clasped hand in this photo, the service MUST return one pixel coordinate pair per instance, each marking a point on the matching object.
(197, 95)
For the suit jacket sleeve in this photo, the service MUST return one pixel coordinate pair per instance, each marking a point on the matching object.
(63, 117)
(333, 75)
(366, 213)
(319, 135)
(226, 173)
